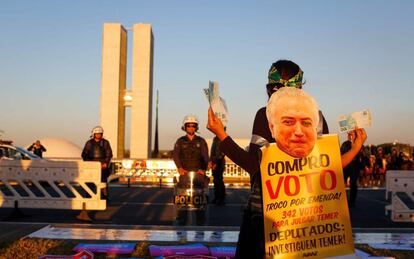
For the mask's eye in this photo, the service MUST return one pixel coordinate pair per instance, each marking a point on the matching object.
(288, 122)
(307, 123)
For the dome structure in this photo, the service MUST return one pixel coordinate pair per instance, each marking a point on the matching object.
(59, 148)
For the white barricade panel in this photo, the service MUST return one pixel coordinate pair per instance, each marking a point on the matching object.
(400, 184)
(402, 207)
(397, 181)
(51, 184)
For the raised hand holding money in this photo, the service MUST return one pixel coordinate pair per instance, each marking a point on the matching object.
(360, 119)
(214, 125)
(217, 103)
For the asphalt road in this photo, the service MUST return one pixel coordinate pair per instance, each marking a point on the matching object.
(143, 205)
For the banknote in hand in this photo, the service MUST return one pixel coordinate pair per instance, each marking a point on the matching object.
(360, 119)
(216, 102)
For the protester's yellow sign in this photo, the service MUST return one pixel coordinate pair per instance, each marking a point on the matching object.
(304, 203)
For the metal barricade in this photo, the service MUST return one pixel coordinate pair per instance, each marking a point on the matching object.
(74, 185)
(164, 170)
(400, 187)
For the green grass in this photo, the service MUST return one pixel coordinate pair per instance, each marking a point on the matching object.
(33, 248)
(398, 254)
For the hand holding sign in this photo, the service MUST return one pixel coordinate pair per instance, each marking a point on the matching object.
(360, 119)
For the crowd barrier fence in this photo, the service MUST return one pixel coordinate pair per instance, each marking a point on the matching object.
(400, 189)
(74, 185)
(155, 170)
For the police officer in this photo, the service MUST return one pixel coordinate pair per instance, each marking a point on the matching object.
(191, 154)
(99, 149)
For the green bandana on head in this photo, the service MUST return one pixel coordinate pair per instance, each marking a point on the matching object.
(276, 78)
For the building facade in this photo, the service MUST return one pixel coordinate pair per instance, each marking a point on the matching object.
(115, 97)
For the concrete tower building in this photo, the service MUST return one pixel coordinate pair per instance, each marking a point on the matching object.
(114, 95)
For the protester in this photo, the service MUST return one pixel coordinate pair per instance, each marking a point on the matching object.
(217, 164)
(394, 160)
(380, 167)
(283, 73)
(351, 171)
(401, 158)
(402, 161)
(37, 148)
(366, 167)
(295, 131)
(372, 170)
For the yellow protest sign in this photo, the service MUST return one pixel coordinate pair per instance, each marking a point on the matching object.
(304, 203)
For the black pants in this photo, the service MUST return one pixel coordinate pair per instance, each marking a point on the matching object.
(353, 185)
(219, 188)
(105, 174)
(251, 237)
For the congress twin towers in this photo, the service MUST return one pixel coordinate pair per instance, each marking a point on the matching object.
(115, 96)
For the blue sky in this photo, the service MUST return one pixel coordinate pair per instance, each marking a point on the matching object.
(354, 54)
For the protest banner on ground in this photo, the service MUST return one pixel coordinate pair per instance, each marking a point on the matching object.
(304, 203)
(84, 254)
(114, 248)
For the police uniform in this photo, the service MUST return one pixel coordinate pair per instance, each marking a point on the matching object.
(191, 155)
(98, 151)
